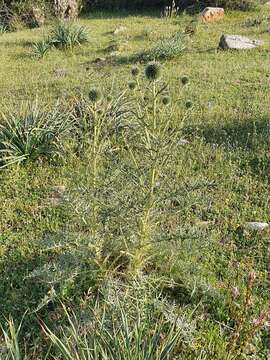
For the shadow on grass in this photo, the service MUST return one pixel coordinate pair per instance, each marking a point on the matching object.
(251, 137)
(18, 292)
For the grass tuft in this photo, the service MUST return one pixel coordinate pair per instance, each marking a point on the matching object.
(68, 35)
(31, 133)
(165, 49)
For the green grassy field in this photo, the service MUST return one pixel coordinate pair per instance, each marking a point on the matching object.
(141, 235)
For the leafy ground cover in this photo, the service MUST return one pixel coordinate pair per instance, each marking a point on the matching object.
(132, 243)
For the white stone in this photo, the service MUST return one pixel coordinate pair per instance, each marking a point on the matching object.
(256, 226)
(237, 42)
(183, 142)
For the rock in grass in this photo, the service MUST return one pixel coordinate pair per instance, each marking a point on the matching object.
(60, 72)
(212, 14)
(258, 226)
(203, 224)
(59, 189)
(120, 29)
(183, 142)
(55, 201)
(237, 42)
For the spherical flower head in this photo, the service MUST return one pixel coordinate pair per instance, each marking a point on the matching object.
(166, 100)
(132, 85)
(189, 104)
(146, 98)
(184, 80)
(153, 71)
(94, 95)
(135, 71)
(109, 98)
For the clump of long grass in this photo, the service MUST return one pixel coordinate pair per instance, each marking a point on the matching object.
(30, 133)
(41, 48)
(10, 347)
(64, 35)
(127, 322)
(3, 28)
(68, 35)
(115, 337)
(166, 48)
(122, 326)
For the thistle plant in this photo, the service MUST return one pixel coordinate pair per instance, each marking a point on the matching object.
(97, 119)
(95, 95)
(166, 100)
(153, 71)
(154, 115)
(135, 71)
(189, 104)
(185, 80)
(132, 84)
(97, 114)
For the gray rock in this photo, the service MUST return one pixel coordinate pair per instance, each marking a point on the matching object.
(258, 226)
(237, 42)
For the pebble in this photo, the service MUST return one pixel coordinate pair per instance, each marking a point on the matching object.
(183, 142)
